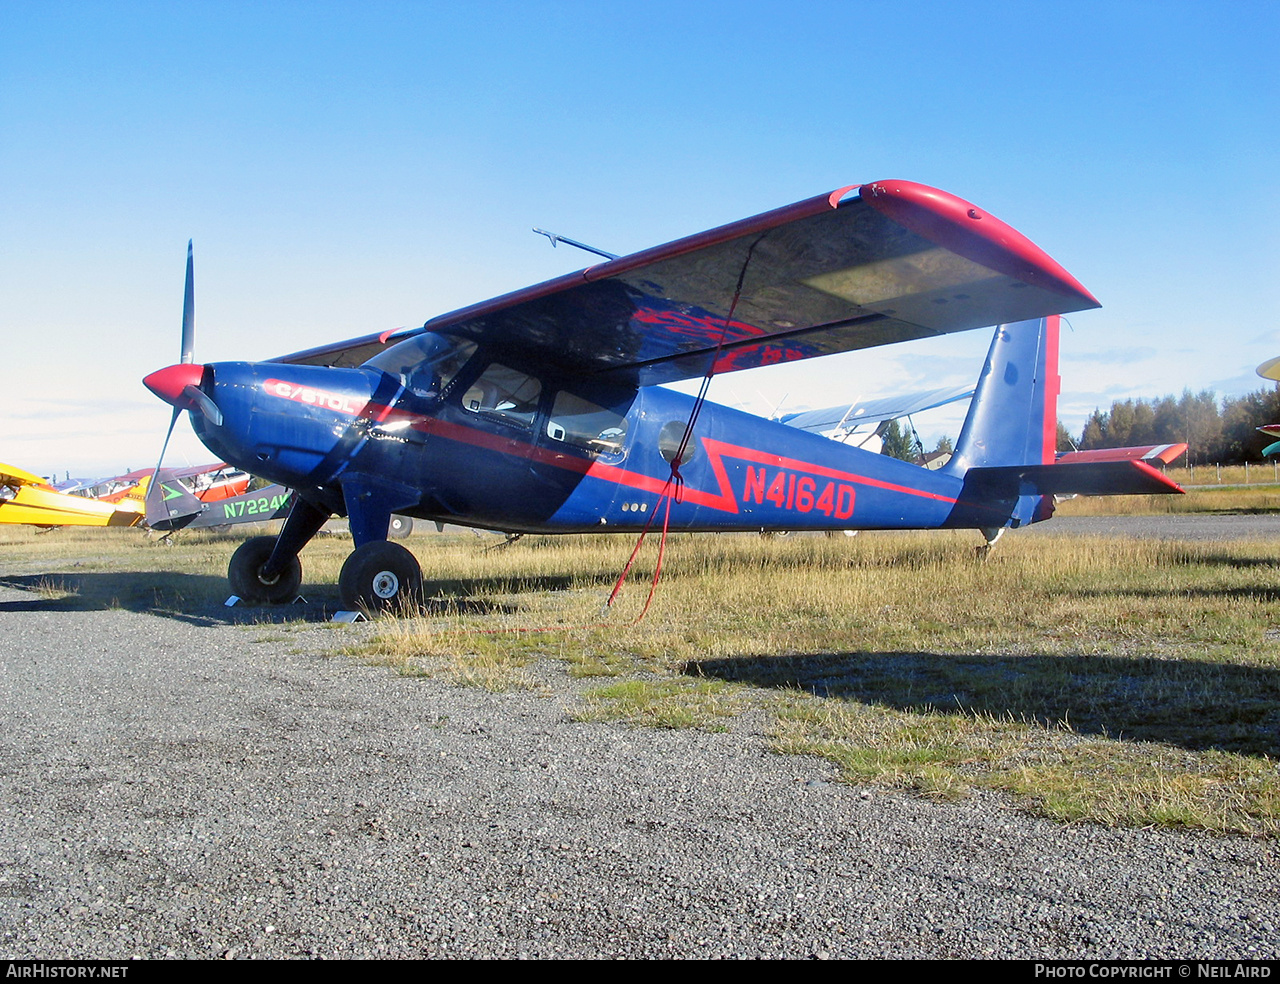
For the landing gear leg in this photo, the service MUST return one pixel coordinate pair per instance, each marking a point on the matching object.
(380, 576)
(250, 584)
(266, 569)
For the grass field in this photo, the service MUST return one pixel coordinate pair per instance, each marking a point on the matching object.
(1104, 679)
(1233, 495)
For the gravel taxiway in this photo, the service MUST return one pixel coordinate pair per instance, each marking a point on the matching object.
(180, 786)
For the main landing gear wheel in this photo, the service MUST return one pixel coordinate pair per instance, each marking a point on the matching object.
(400, 527)
(245, 574)
(380, 577)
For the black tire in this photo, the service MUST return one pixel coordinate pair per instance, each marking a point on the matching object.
(380, 577)
(245, 574)
(399, 527)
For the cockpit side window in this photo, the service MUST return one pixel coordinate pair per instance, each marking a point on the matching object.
(582, 424)
(425, 364)
(503, 393)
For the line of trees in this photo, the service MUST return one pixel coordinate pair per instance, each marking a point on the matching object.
(1215, 431)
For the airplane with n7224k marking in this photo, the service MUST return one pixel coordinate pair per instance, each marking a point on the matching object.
(540, 410)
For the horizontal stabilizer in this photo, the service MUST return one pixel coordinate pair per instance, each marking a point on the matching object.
(1126, 477)
(1164, 453)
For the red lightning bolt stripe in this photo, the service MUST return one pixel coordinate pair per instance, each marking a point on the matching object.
(723, 498)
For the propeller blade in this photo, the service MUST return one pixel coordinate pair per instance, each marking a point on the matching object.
(189, 311)
(157, 510)
(204, 403)
(178, 385)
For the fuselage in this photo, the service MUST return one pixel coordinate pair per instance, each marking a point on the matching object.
(444, 431)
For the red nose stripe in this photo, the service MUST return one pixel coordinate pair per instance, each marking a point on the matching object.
(168, 383)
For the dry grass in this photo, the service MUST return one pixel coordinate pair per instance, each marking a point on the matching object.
(1210, 489)
(1113, 680)
(1204, 499)
(662, 703)
(1254, 473)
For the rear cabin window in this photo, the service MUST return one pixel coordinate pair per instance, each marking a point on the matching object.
(503, 393)
(582, 424)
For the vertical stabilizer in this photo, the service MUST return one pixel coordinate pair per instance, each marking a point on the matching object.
(1013, 419)
(170, 505)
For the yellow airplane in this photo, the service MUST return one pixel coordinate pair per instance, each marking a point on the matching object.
(28, 499)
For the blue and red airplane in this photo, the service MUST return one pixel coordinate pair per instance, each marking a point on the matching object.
(540, 411)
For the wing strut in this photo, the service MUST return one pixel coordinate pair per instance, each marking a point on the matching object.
(674, 485)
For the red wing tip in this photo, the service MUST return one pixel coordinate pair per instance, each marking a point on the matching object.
(1157, 475)
(837, 196)
(971, 232)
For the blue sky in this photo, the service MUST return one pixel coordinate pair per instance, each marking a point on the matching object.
(346, 168)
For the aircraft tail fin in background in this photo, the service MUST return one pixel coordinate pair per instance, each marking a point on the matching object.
(170, 505)
(135, 499)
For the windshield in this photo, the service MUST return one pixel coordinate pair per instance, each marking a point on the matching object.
(425, 364)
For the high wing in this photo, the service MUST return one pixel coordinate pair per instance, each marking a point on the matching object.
(13, 477)
(848, 416)
(863, 266)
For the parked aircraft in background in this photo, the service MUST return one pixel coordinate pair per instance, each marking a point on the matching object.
(1270, 370)
(539, 411)
(207, 482)
(861, 424)
(29, 500)
(172, 505)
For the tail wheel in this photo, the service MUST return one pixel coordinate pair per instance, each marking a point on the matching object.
(245, 574)
(401, 526)
(380, 576)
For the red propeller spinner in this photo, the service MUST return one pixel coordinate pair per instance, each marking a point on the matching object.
(170, 383)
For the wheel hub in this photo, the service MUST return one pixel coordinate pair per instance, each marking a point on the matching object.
(386, 584)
